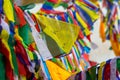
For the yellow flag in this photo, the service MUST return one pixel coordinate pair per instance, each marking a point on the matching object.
(101, 70)
(63, 33)
(82, 22)
(8, 10)
(30, 54)
(23, 77)
(16, 36)
(56, 72)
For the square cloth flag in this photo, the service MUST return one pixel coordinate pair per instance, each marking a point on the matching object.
(63, 33)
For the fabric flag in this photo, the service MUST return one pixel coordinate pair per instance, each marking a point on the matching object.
(8, 10)
(76, 52)
(84, 15)
(4, 49)
(58, 73)
(35, 20)
(58, 62)
(76, 61)
(11, 46)
(71, 62)
(30, 55)
(19, 48)
(54, 49)
(23, 77)
(68, 31)
(47, 6)
(70, 20)
(54, 1)
(1, 6)
(102, 31)
(64, 63)
(91, 13)
(92, 4)
(100, 70)
(25, 34)
(4, 35)
(45, 69)
(72, 17)
(88, 77)
(92, 73)
(118, 64)
(21, 68)
(2, 67)
(115, 46)
(67, 63)
(84, 25)
(106, 71)
(20, 16)
(21, 52)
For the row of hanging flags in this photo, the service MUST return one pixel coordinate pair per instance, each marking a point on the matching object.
(55, 42)
(110, 23)
(102, 71)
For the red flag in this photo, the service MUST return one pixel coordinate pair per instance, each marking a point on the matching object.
(21, 68)
(8, 67)
(53, 1)
(36, 25)
(20, 50)
(20, 16)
